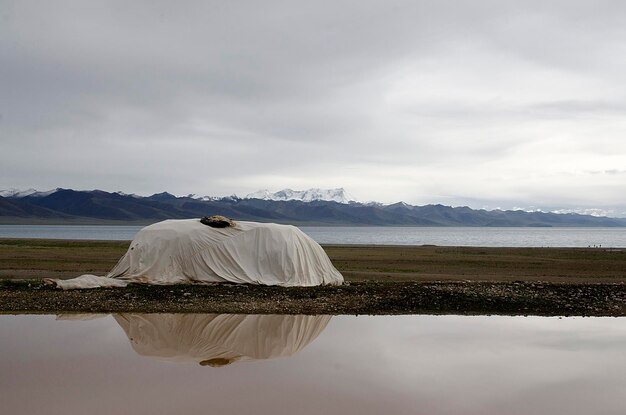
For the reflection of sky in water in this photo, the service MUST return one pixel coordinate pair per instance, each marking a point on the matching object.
(378, 235)
(368, 365)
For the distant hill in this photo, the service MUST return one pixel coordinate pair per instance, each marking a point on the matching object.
(97, 206)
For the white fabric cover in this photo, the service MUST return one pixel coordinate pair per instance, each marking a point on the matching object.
(219, 339)
(87, 281)
(182, 251)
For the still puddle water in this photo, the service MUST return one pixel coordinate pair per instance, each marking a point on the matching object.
(235, 364)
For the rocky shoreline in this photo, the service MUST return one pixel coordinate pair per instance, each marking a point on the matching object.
(369, 297)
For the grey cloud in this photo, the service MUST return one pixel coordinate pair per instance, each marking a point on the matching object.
(579, 107)
(609, 171)
(392, 100)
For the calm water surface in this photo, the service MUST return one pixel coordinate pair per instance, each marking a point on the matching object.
(228, 364)
(537, 237)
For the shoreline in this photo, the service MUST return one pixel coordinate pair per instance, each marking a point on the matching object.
(379, 280)
(358, 298)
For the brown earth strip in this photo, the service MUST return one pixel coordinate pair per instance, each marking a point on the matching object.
(40, 258)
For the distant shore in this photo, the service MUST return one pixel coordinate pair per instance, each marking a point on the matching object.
(381, 280)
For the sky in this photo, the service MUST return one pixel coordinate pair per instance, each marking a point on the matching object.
(490, 104)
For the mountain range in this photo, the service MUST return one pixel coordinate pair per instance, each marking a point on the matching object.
(329, 195)
(311, 207)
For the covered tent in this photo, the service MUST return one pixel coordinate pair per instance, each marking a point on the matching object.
(184, 251)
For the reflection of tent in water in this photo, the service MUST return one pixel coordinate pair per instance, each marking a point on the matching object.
(181, 251)
(219, 339)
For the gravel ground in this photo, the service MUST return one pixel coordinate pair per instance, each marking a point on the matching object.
(372, 297)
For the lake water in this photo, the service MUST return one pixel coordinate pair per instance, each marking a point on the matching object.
(511, 237)
(230, 364)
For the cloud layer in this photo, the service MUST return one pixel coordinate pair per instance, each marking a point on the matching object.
(484, 103)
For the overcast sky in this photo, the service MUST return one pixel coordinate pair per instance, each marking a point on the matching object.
(480, 103)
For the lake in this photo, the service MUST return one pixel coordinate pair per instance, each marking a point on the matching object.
(443, 236)
(238, 364)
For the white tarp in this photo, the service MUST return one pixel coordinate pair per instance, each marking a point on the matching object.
(219, 339)
(184, 251)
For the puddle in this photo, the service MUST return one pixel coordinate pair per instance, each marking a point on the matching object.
(273, 364)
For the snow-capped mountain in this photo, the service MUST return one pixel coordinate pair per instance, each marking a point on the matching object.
(18, 194)
(207, 198)
(338, 195)
(127, 194)
(210, 198)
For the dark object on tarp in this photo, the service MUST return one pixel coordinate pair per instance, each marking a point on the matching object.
(217, 221)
